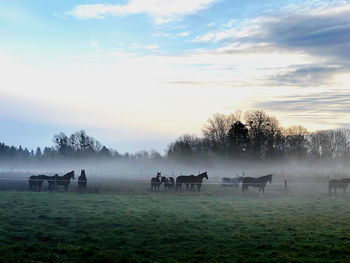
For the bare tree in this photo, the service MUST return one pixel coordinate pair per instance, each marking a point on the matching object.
(216, 129)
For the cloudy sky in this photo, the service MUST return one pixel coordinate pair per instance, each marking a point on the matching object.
(136, 74)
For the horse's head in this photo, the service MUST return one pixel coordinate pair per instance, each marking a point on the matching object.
(72, 173)
(163, 179)
(270, 177)
(159, 174)
(205, 175)
(82, 173)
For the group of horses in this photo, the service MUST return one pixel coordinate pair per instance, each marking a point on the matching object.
(36, 181)
(195, 181)
(192, 182)
(259, 182)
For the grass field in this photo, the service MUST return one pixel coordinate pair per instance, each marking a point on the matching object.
(186, 227)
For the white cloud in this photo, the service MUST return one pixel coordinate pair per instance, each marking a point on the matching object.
(230, 23)
(134, 46)
(151, 47)
(162, 11)
(183, 34)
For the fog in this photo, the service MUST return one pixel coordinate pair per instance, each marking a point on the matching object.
(141, 171)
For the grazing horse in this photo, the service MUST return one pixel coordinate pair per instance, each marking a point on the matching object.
(82, 181)
(191, 180)
(169, 183)
(231, 182)
(259, 182)
(341, 183)
(65, 179)
(36, 181)
(155, 182)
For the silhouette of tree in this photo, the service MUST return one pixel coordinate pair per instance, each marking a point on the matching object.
(296, 141)
(38, 153)
(238, 139)
(215, 131)
(105, 153)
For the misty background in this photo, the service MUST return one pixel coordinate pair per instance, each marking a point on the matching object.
(249, 143)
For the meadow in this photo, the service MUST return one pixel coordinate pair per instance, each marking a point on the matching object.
(125, 225)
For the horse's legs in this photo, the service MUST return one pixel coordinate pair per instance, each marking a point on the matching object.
(199, 187)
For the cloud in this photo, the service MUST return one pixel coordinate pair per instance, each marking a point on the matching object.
(322, 32)
(161, 11)
(183, 34)
(314, 75)
(318, 110)
(151, 47)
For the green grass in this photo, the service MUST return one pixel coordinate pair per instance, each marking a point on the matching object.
(144, 227)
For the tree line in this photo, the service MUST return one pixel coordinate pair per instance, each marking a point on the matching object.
(253, 135)
(256, 135)
(78, 145)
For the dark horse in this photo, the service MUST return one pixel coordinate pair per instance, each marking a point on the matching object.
(82, 182)
(169, 183)
(259, 182)
(191, 180)
(341, 183)
(52, 180)
(155, 182)
(65, 179)
(36, 181)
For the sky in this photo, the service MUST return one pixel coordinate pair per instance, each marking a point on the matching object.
(137, 74)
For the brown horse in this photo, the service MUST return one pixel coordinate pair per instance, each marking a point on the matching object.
(155, 182)
(169, 183)
(65, 179)
(36, 181)
(192, 180)
(259, 182)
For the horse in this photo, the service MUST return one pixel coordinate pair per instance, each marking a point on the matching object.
(231, 182)
(191, 180)
(65, 179)
(259, 182)
(36, 181)
(82, 181)
(52, 180)
(341, 183)
(169, 183)
(155, 182)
